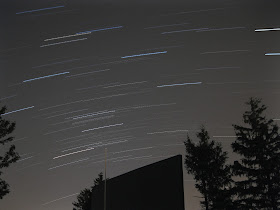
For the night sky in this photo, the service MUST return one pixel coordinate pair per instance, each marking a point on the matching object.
(134, 77)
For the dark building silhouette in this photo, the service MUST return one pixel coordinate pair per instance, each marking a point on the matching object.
(158, 186)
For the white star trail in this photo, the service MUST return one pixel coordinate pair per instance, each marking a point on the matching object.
(57, 115)
(140, 157)
(66, 164)
(130, 150)
(72, 153)
(86, 73)
(4, 98)
(225, 51)
(144, 54)
(37, 10)
(65, 42)
(106, 126)
(182, 84)
(59, 199)
(100, 29)
(267, 29)
(220, 29)
(160, 132)
(52, 75)
(272, 54)
(161, 26)
(91, 114)
(216, 68)
(131, 83)
(18, 110)
(55, 63)
(186, 30)
(67, 36)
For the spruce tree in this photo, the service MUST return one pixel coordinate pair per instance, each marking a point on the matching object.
(10, 155)
(85, 196)
(207, 162)
(258, 144)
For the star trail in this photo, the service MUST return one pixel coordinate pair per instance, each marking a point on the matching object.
(136, 78)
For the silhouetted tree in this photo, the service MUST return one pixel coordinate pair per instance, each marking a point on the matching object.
(258, 143)
(84, 198)
(207, 162)
(10, 156)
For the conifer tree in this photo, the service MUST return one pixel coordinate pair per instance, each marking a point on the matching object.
(84, 198)
(207, 162)
(258, 144)
(10, 156)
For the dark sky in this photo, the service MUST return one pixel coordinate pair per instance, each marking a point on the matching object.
(191, 63)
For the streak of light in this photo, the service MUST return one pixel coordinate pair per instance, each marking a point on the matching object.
(143, 148)
(188, 83)
(106, 126)
(82, 74)
(141, 157)
(67, 36)
(57, 43)
(36, 10)
(52, 13)
(144, 54)
(50, 113)
(272, 54)
(226, 136)
(7, 97)
(59, 199)
(96, 86)
(72, 153)
(35, 164)
(94, 119)
(24, 159)
(84, 121)
(51, 64)
(268, 29)
(221, 29)
(276, 119)
(155, 105)
(194, 29)
(224, 51)
(178, 24)
(63, 129)
(224, 83)
(101, 138)
(213, 68)
(100, 161)
(160, 132)
(92, 99)
(94, 145)
(91, 114)
(30, 107)
(77, 161)
(66, 113)
(52, 75)
(100, 29)
(131, 83)
(19, 139)
(195, 11)
(87, 145)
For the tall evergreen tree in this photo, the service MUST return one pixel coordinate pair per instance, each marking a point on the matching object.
(258, 144)
(10, 156)
(84, 198)
(207, 162)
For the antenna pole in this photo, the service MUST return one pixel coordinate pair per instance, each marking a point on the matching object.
(105, 180)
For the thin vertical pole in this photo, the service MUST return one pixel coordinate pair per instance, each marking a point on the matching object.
(105, 180)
